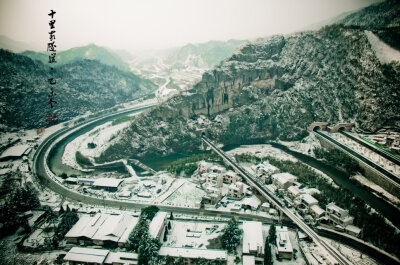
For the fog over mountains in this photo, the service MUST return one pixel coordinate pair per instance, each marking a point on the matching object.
(274, 88)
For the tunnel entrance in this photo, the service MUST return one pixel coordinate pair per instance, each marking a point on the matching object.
(316, 128)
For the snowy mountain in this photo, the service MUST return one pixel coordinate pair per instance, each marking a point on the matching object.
(82, 86)
(92, 52)
(274, 89)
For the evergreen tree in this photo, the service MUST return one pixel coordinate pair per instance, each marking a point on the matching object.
(148, 249)
(231, 236)
(134, 237)
(149, 212)
(272, 234)
(267, 253)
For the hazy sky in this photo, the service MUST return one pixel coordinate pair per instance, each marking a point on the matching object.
(154, 24)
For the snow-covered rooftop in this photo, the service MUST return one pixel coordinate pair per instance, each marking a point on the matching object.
(284, 177)
(282, 239)
(87, 255)
(121, 258)
(104, 227)
(114, 227)
(316, 209)
(354, 229)
(107, 182)
(248, 260)
(193, 253)
(294, 191)
(253, 201)
(157, 224)
(16, 151)
(267, 167)
(252, 237)
(309, 200)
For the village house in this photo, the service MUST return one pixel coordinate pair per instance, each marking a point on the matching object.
(316, 211)
(307, 200)
(230, 177)
(237, 190)
(214, 179)
(294, 191)
(283, 244)
(338, 215)
(283, 180)
(253, 241)
(265, 168)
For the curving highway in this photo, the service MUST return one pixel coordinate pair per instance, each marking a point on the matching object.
(44, 176)
(337, 256)
(392, 178)
(373, 148)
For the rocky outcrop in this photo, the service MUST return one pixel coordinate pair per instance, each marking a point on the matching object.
(271, 90)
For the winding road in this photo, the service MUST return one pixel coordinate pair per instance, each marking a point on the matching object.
(44, 176)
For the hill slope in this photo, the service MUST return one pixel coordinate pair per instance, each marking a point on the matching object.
(91, 52)
(274, 89)
(82, 86)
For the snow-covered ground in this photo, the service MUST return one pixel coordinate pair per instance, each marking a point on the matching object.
(377, 188)
(351, 254)
(305, 146)
(261, 150)
(384, 52)
(101, 136)
(187, 195)
(193, 234)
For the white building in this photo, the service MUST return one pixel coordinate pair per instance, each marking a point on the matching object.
(157, 225)
(265, 168)
(237, 190)
(253, 242)
(294, 191)
(78, 255)
(214, 179)
(307, 200)
(15, 152)
(316, 211)
(253, 202)
(283, 180)
(230, 177)
(283, 244)
(338, 215)
(248, 260)
(108, 184)
(190, 255)
(265, 207)
(102, 229)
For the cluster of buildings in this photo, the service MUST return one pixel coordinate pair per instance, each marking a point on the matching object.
(111, 230)
(286, 185)
(218, 182)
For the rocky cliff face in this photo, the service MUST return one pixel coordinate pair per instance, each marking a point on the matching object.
(271, 90)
